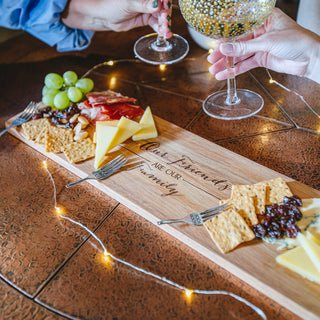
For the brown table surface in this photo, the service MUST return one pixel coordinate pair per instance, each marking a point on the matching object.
(50, 269)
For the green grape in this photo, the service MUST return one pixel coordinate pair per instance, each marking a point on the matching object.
(85, 85)
(74, 94)
(70, 78)
(61, 100)
(53, 81)
(48, 98)
(45, 90)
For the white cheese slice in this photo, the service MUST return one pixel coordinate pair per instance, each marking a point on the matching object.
(148, 129)
(104, 136)
(298, 261)
(112, 133)
(127, 128)
(312, 250)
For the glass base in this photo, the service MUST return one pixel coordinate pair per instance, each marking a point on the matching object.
(146, 50)
(249, 103)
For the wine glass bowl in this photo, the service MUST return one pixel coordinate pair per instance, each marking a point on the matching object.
(228, 20)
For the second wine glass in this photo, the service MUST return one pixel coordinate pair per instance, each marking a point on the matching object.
(228, 20)
(156, 49)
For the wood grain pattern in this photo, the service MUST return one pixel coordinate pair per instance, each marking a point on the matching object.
(179, 173)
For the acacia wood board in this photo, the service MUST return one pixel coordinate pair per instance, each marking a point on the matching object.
(178, 173)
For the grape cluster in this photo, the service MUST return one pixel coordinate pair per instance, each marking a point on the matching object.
(61, 91)
(279, 219)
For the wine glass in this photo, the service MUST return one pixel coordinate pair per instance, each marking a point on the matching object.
(228, 20)
(154, 48)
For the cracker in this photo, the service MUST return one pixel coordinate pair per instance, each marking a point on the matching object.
(33, 128)
(257, 191)
(228, 230)
(56, 139)
(80, 150)
(277, 189)
(244, 205)
(41, 139)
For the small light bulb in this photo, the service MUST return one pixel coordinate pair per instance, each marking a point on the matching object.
(271, 81)
(45, 164)
(58, 211)
(210, 51)
(162, 67)
(106, 253)
(110, 63)
(188, 292)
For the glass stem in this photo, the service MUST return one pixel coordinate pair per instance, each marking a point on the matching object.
(161, 44)
(232, 97)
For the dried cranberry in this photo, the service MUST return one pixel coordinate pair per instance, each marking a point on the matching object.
(259, 230)
(295, 200)
(292, 230)
(70, 125)
(279, 219)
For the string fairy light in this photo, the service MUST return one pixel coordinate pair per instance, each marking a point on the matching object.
(271, 81)
(188, 292)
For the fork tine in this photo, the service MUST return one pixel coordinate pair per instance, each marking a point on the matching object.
(114, 169)
(206, 212)
(28, 112)
(110, 163)
(215, 212)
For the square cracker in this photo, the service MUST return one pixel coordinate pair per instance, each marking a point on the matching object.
(244, 205)
(228, 230)
(33, 128)
(41, 138)
(257, 191)
(80, 150)
(277, 189)
(56, 139)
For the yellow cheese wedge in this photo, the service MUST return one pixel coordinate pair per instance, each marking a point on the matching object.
(298, 261)
(313, 235)
(312, 250)
(127, 128)
(148, 129)
(112, 133)
(104, 136)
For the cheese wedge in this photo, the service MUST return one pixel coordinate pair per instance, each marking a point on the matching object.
(148, 129)
(298, 261)
(314, 236)
(112, 133)
(312, 250)
(104, 136)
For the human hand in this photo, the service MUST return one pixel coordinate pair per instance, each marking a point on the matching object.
(280, 44)
(118, 15)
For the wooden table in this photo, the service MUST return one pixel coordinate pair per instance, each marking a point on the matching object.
(50, 270)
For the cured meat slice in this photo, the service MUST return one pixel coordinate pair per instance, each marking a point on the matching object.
(107, 98)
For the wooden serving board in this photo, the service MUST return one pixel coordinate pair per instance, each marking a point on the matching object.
(179, 173)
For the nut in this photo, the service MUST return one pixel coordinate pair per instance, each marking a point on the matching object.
(74, 118)
(80, 136)
(77, 128)
(83, 120)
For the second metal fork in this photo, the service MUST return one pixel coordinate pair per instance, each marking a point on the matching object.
(24, 116)
(104, 172)
(198, 218)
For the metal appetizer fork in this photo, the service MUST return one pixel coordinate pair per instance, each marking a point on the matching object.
(198, 218)
(26, 114)
(104, 172)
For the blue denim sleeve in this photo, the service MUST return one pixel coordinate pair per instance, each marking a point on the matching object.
(41, 18)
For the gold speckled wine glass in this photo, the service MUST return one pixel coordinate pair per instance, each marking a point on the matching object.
(228, 20)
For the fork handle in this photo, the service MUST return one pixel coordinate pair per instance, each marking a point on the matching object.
(76, 182)
(170, 221)
(5, 130)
